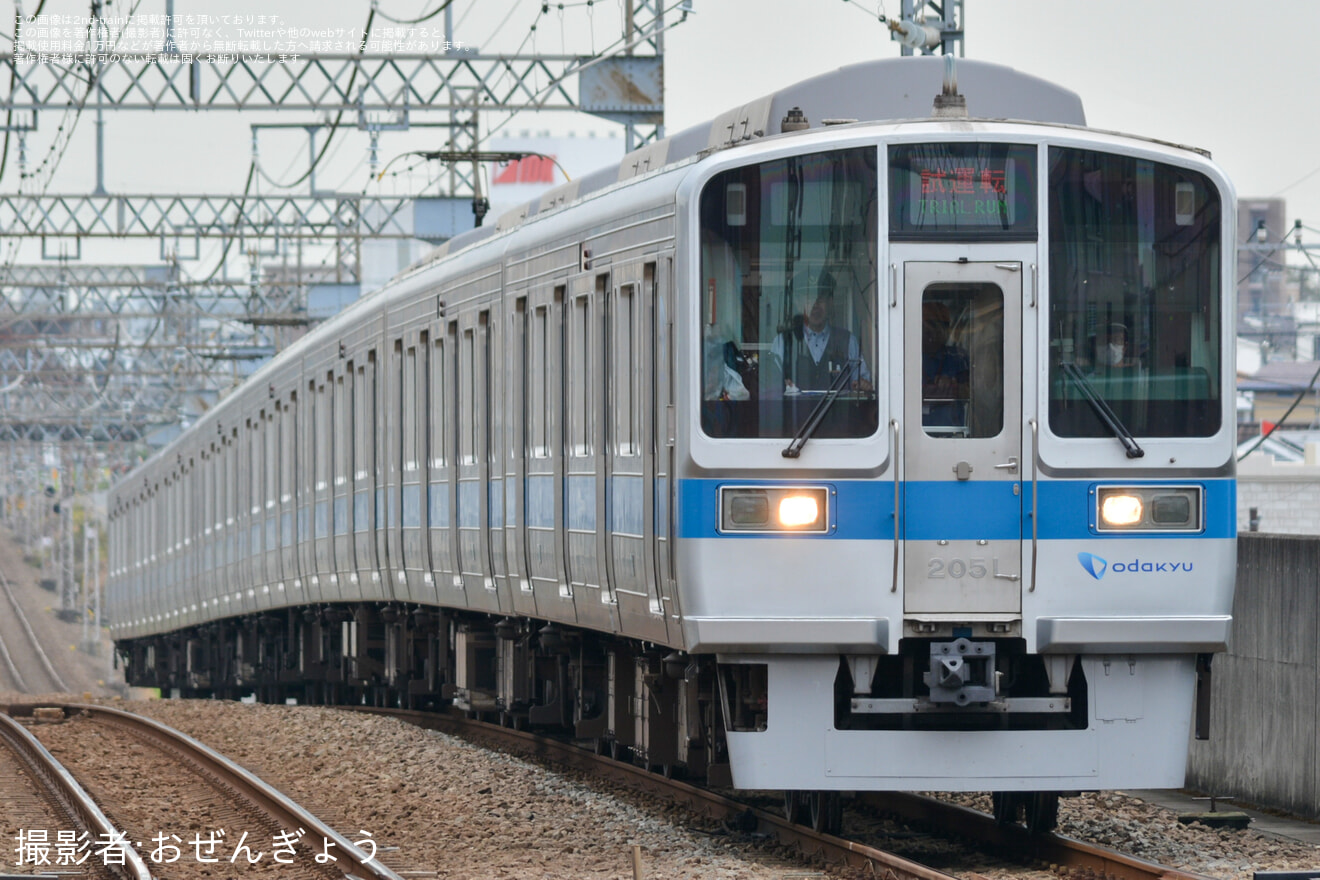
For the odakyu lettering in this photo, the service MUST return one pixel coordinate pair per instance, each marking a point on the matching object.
(1096, 566)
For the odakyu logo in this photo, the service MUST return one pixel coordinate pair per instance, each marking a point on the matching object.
(1096, 566)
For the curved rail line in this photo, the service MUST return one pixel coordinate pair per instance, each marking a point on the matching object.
(1054, 849)
(10, 669)
(699, 800)
(32, 638)
(216, 766)
(979, 828)
(65, 791)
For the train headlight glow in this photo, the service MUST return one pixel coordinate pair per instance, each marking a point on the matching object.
(1148, 508)
(774, 509)
(797, 511)
(1120, 510)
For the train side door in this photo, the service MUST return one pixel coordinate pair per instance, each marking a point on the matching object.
(584, 467)
(962, 440)
(473, 468)
(547, 562)
(516, 404)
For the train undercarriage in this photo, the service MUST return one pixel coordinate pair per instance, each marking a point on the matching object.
(646, 703)
(631, 699)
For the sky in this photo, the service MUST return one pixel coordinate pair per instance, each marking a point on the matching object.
(1235, 79)
(1228, 78)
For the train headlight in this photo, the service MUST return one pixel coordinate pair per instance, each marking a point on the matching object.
(768, 509)
(1148, 509)
(1120, 510)
(796, 511)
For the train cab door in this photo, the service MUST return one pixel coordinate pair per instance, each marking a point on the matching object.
(962, 442)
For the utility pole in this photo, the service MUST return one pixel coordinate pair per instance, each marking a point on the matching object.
(91, 612)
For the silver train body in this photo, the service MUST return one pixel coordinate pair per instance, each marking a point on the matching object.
(888, 454)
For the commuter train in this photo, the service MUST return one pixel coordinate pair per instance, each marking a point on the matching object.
(850, 441)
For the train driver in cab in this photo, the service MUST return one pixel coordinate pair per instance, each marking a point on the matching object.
(814, 350)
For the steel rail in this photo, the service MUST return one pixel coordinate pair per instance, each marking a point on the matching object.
(32, 637)
(1054, 849)
(12, 669)
(700, 800)
(71, 796)
(248, 786)
(972, 825)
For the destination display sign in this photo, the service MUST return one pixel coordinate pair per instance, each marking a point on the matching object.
(962, 191)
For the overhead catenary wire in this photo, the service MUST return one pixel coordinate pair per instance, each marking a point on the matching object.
(1283, 239)
(620, 45)
(424, 17)
(339, 116)
(1296, 402)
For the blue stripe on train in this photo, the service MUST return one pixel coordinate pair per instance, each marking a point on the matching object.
(970, 510)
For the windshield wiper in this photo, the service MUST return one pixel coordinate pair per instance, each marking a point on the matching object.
(817, 415)
(1101, 407)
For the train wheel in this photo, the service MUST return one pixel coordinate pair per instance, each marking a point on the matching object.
(1007, 806)
(794, 807)
(1042, 811)
(826, 808)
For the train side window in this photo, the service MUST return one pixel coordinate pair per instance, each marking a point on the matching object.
(364, 420)
(272, 455)
(516, 346)
(256, 481)
(578, 368)
(343, 439)
(439, 405)
(490, 409)
(408, 423)
(343, 443)
(422, 398)
(538, 374)
(624, 371)
(288, 469)
(468, 397)
(306, 461)
(409, 411)
(322, 427)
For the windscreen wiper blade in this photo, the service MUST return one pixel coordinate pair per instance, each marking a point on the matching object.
(1101, 407)
(817, 415)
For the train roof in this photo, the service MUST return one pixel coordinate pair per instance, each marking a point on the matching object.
(870, 91)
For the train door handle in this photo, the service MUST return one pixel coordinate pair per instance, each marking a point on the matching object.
(1011, 465)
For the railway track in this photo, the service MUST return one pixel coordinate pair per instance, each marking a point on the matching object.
(38, 794)
(158, 784)
(23, 660)
(968, 835)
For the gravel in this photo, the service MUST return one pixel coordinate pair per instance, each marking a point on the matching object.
(455, 810)
(1131, 825)
(438, 806)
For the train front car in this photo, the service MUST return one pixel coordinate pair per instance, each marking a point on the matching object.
(957, 509)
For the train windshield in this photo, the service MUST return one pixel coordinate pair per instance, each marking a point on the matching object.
(1135, 292)
(788, 296)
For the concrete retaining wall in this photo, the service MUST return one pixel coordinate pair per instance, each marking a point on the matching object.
(1286, 496)
(1266, 689)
